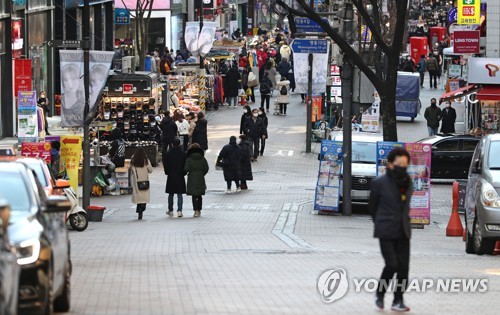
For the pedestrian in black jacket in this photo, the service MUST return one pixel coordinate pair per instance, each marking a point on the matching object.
(230, 155)
(200, 134)
(254, 127)
(117, 150)
(169, 133)
(175, 161)
(449, 115)
(247, 113)
(390, 206)
(246, 164)
(263, 116)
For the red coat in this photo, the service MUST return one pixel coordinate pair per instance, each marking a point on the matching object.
(243, 62)
(261, 58)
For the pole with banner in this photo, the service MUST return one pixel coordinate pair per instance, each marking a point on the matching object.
(71, 151)
(27, 116)
(201, 75)
(86, 125)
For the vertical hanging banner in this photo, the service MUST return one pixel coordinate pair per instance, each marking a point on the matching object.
(328, 185)
(383, 149)
(22, 74)
(37, 150)
(27, 117)
(206, 38)
(191, 37)
(301, 49)
(71, 151)
(469, 12)
(317, 101)
(72, 89)
(419, 170)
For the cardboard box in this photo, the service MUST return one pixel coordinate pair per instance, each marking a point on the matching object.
(121, 172)
(122, 182)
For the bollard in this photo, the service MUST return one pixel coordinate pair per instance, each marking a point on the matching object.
(455, 227)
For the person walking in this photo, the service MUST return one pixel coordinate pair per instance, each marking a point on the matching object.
(449, 115)
(44, 104)
(255, 131)
(283, 97)
(246, 163)
(284, 68)
(432, 67)
(200, 133)
(230, 157)
(271, 71)
(421, 68)
(183, 130)
(265, 90)
(433, 115)
(140, 168)
(191, 118)
(247, 113)
(176, 184)
(389, 206)
(265, 120)
(117, 150)
(252, 82)
(169, 132)
(409, 65)
(196, 168)
(233, 85)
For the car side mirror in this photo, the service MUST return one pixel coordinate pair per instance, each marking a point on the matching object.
(57, 204)
(476, 166)
(4, 216)
(62, 184)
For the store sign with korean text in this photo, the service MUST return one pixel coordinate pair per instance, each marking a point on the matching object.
(71, 151)
(469, 12)
(484, 70)
(466, 42)
(128, 88)
(22, 75)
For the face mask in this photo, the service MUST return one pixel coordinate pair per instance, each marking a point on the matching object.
(238, 141)
(433, 104)
(245, 111)
(399, 171)
(255, 115)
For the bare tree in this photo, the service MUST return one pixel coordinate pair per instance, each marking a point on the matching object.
(141, 16)
(386, 20)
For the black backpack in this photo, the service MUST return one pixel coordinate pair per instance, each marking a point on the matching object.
(283, 90)
(265, 86)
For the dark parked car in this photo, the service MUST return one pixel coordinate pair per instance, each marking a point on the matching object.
(38, 232)
(451, 155)
(9, 269)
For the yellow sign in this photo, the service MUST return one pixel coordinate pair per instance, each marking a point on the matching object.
(71, 151)
(469, 12)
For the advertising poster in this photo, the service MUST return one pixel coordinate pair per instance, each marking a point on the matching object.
(71, 150)
(383, 149)
(370, 119)
(469, 12)
(316, 107)
(319, 69)
(420, 173)
(23, 75)
(328, 185)
(36, 150)
(27, 119)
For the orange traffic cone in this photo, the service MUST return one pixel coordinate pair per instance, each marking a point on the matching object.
(455, 227)
(497, 249)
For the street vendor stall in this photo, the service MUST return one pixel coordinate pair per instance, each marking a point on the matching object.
(408, 95)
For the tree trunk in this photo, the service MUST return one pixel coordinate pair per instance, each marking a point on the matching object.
(388, 103)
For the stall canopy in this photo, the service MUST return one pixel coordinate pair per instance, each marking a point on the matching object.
(461, 92)
(489, 93)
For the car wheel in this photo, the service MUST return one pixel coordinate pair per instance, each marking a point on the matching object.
(469, 241)
(79, 221)
(481, 245)
(63, 302)
(48, 295)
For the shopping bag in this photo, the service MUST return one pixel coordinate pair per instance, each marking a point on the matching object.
(218, 163)
(249, 92)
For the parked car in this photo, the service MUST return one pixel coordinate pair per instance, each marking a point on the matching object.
(482, 197)
(364, 164)
(38, 232)
(9, 269)
(451, 155)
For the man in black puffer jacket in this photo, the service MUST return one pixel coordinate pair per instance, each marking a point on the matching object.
(169, 132)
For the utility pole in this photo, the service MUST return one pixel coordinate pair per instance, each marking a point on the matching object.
(309, 99)
(86, 83)
(347, 78)
(201, 74)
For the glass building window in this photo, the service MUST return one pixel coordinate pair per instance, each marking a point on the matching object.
(36, 4)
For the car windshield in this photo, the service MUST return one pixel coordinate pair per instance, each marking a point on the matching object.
(13, 189)
(40, 174)
(364, 152)
(494, 153)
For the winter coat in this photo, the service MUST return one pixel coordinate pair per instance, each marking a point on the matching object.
(200, 134)
(244, 118)
(283, 99)
(169, 130)
(196, 168)
(175, 161)
(233, 84)
(272, 76)
(246, 164)
(285, 52)
(231, 161)
(432, 64)
(183, 127)
(266, 85)
(265, 122)
(140, 174)
(117, 152)
(255, 129)
(244, 79)
(433, 116)
(284, 68)
(422, 65)
(449, 116)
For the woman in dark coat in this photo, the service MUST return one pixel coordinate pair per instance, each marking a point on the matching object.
(196, 168)
(263, 116)
(231, 164)
(448, 121)
(175, 161)
(247, 113)
(246, 164)
(233, 85)
(200, 132)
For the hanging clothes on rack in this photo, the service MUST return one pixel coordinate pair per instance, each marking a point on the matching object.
(41, 121)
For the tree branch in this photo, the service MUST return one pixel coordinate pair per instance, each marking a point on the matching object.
(400, 29)
(373, 28)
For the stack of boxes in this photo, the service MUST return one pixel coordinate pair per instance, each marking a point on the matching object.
(122, 178)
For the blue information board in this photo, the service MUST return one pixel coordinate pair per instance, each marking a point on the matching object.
(328, 185)
(310, 46)
(383, 149)
(306, 25)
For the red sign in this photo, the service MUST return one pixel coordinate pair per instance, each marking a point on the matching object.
(22, 75)
(466, 42)
(128, 88)
(36, 150)
(316, 108)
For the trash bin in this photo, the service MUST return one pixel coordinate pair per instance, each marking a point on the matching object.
(95, 213)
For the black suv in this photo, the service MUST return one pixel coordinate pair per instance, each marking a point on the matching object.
(38, 232)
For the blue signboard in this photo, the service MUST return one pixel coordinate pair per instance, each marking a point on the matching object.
(306, 25)
(383, 149)
(452, 15)
(122, 16)
(328, 185)
(310, 46)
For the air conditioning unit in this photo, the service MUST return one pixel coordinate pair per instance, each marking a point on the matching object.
(128, 64)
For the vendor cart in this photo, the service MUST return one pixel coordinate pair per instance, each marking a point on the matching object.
(408, 95)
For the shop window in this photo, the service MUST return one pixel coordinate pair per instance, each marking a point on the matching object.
(36, 4)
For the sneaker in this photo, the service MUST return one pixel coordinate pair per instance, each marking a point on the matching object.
(228, 191)
(399, 306)
(170, 213)
(196, 213)
(179, 214)
(379, 302)
(238, 189)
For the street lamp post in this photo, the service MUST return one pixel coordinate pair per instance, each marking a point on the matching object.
(201, 73)
(86, 124)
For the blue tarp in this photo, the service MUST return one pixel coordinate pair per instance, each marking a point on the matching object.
(408, 94)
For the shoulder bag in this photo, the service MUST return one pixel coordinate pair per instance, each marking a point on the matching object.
(141, 185)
